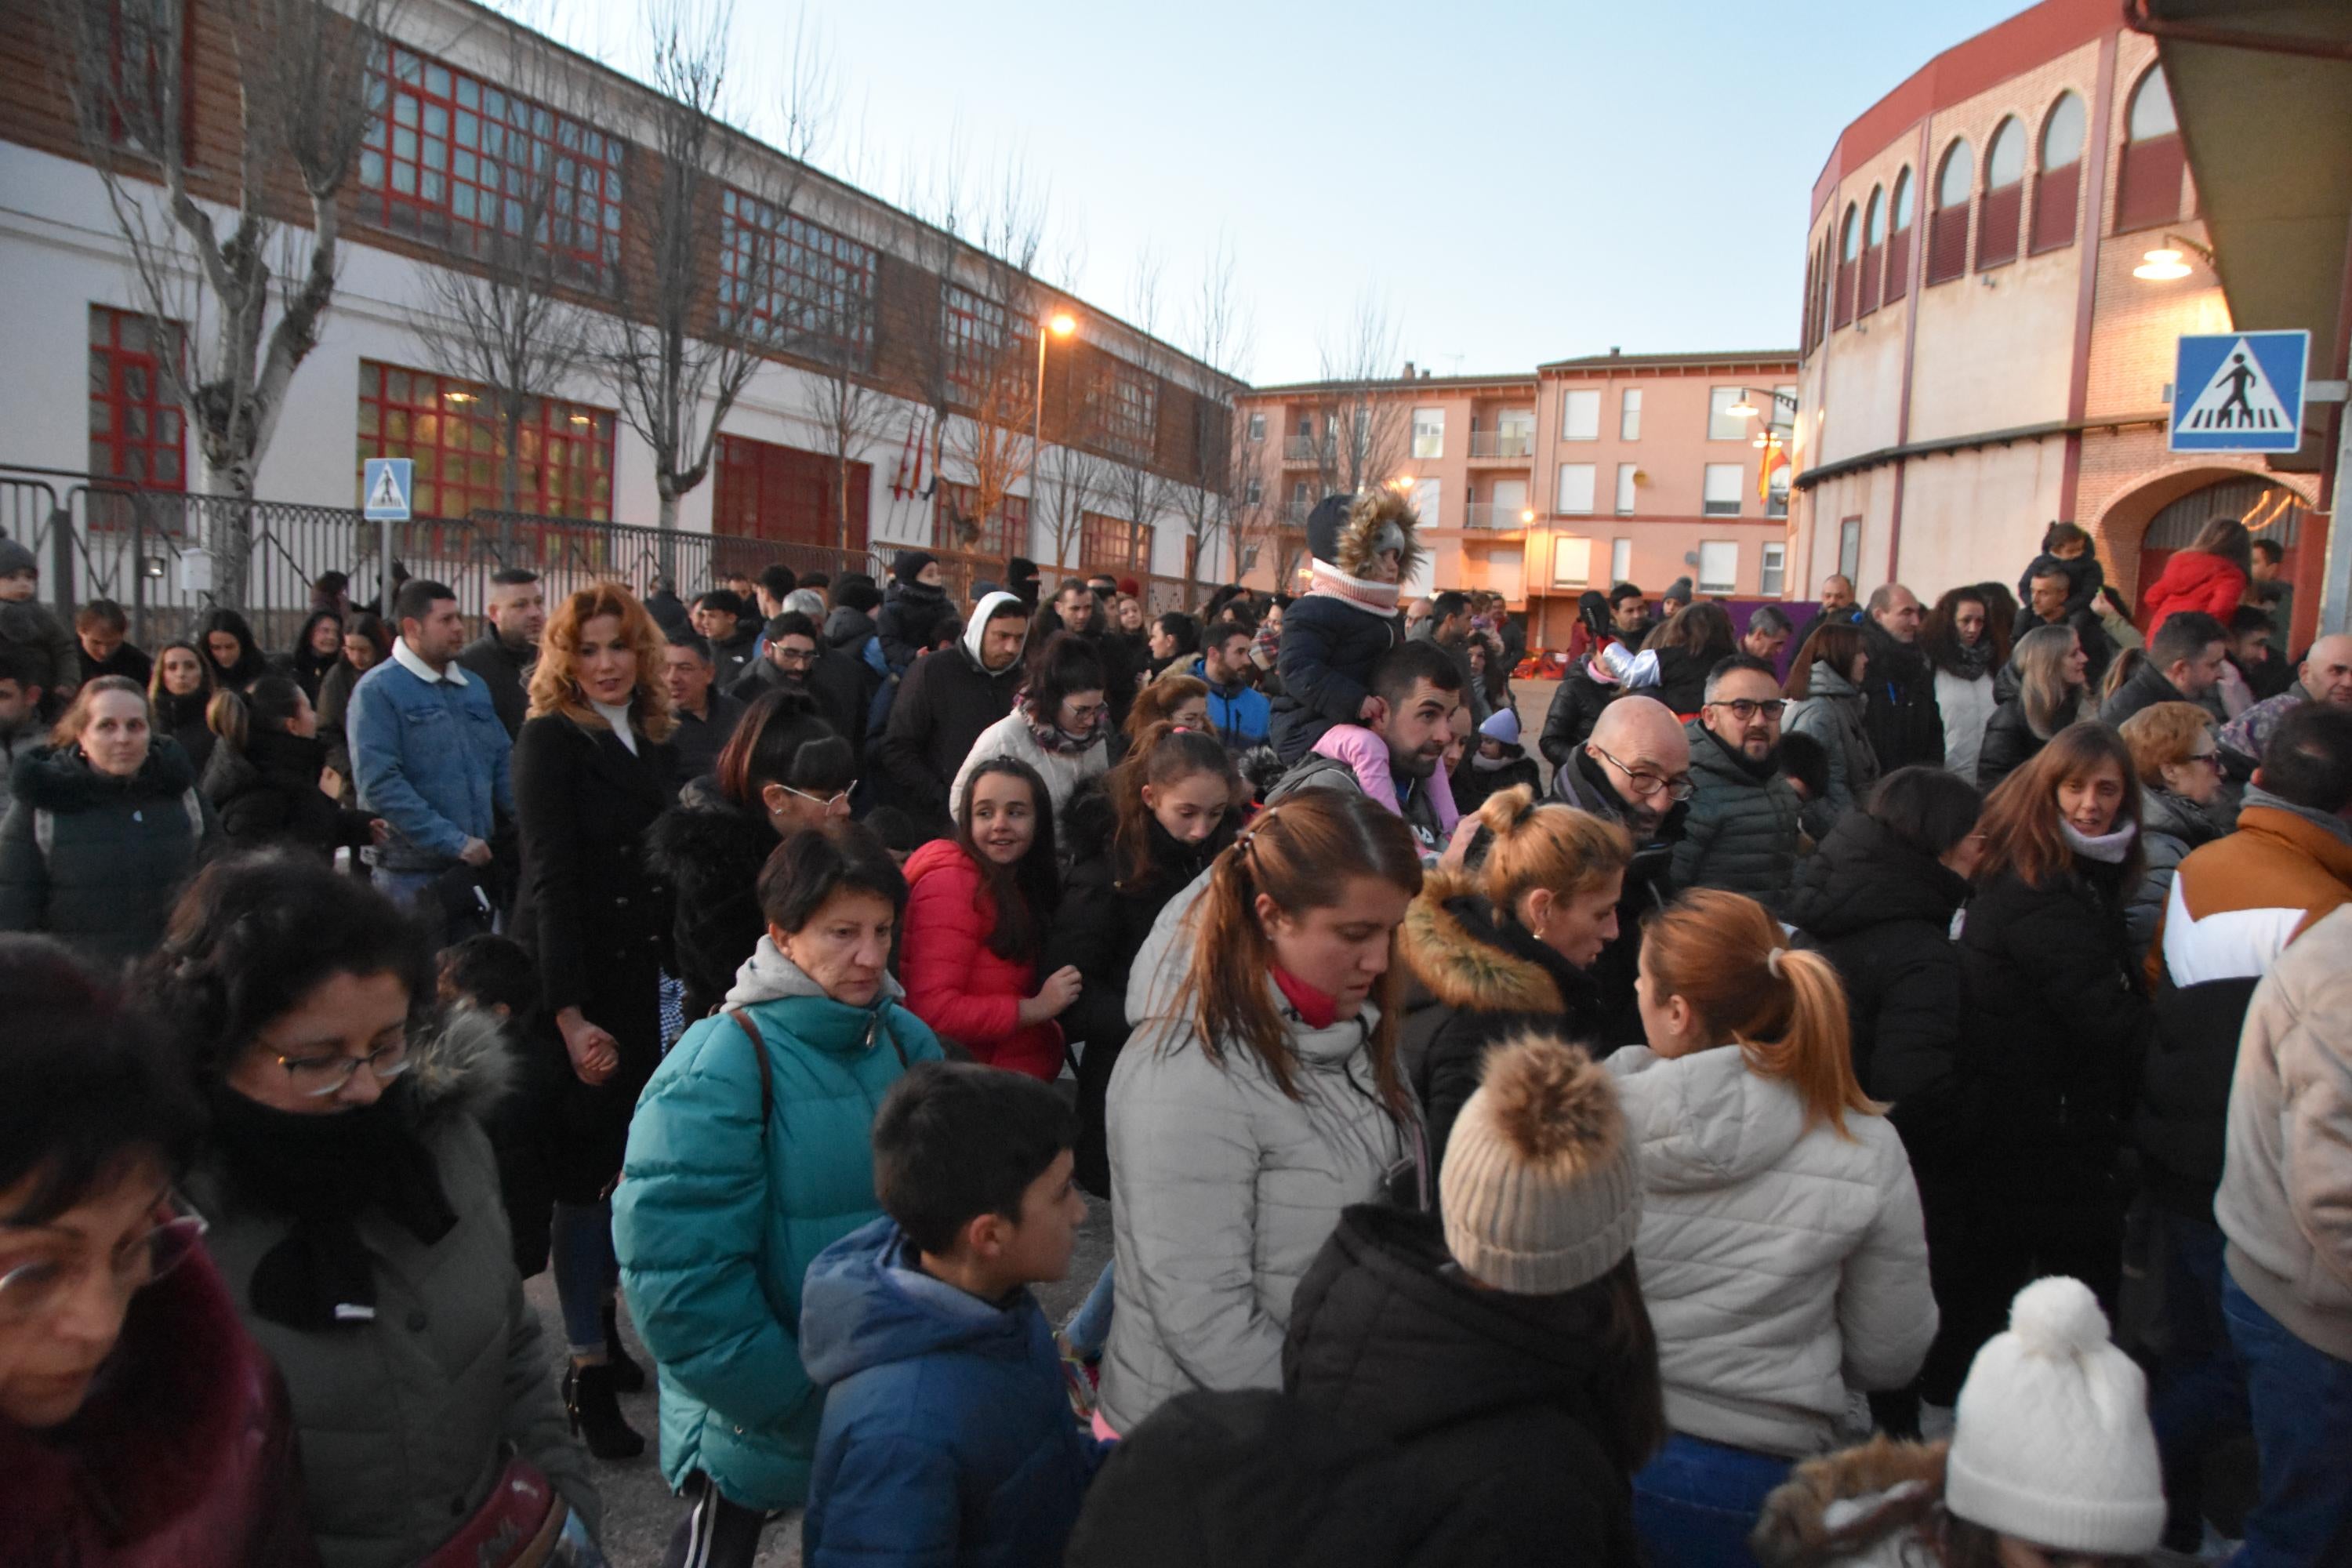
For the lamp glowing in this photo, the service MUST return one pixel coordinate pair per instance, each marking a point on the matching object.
(2162, 266)
(1743, 409)
(1062, 323)
(1527, 516)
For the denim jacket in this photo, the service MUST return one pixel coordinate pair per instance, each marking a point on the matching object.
(431, 759)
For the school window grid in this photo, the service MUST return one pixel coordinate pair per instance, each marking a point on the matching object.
(763, 491)
(793, 285)
(1113, 543)
(139, 46)
(136, 431)
(450, 430)
(454, 158)
(1125, 405)
(1006, 533)
(990, 352)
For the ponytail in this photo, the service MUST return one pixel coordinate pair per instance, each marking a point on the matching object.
(1547, 844)
(1783, 1006)
(227, 716)
(269, 704)
(1161, 755)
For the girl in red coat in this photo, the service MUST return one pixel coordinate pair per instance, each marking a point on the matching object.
(977, 910)
(2210, 575)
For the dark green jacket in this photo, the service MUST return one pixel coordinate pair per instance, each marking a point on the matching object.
(1741, 833)
(96, 861)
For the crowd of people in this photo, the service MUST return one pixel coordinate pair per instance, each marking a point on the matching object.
(1731, 1143)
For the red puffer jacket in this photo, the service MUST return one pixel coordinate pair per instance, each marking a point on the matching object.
(954, 983)
(2193, 580)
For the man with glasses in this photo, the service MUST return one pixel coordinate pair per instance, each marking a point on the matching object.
(1633, 771)
(795, 659)
(1742, 832)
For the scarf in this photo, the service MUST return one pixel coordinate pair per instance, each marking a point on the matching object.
(324, 1171)
(1970, 661)
(2108, 847)
(1373, 598)
(1053, 739)
(1314, 1009)
(1266, 646)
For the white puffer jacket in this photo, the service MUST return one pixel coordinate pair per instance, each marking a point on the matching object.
(1223, 1188)
(1780, 1263)
(1011, 737)
(1967, 707)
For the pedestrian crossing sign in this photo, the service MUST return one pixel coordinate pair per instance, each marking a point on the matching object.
(384, 489)
(2239, 391)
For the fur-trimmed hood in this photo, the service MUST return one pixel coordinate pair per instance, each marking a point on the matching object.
(461, 1063)
(1448, 941)
(1345, 532)
(1859, 1506)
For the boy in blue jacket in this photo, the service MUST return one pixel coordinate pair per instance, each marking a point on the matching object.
(947, 1436)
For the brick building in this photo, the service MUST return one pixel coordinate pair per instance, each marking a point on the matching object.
(1979, 356)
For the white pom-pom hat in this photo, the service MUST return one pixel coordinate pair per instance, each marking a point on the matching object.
(2051, 1441)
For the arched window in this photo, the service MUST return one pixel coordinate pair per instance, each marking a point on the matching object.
(1822, 283)
(1898, 241)
(1849, 264)
(2148, 192)
(2058, 185)
(2004, 196)
(1947, 226)
(1805, 330)
(1873, 250)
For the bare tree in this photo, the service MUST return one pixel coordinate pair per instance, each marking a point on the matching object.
(1218, 466)
(717, 291)
(202, 242)
(1366, 422)
(509, 320)
(1071, 484)
(1122, 399)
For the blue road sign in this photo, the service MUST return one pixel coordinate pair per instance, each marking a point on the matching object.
(2239, 391)
(384, 489)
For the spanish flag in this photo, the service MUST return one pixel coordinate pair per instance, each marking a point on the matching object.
(1776, 456)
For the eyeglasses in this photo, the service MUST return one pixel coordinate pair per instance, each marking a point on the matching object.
(1086, 715)
(33, 1289)
(319, 1077)
(1643, 780)
(2211, 759)
(838, 801)
(794, 656)
(1743, 709)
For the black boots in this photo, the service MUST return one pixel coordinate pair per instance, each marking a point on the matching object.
(628, 1377)
(589, 1398)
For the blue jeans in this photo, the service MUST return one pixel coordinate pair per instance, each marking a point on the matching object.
(2301, 1399)
(586, 1273)
(2200, 1389)
(1088, 1328)
(1695, 1502)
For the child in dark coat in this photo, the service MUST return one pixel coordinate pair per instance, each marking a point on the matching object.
(1364, 548)
(947, 1436)
(2066, 548)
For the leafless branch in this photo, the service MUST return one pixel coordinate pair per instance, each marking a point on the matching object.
(1365, 427)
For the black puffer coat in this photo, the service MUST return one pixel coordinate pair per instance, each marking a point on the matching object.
(1904, 725)
(1882, 911)
(1100, 927)
(2056, 1018)
(1492, 1396)
(708, 853)
(183, 718)
(269, 794)
(97, 862)
(910, 621)
(1486, 980)
(1575, 709)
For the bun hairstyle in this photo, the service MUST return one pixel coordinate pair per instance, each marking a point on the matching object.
(1536, 845)
(1783, 1006)
(269, 704)
(1164, 755)
(1300, 854)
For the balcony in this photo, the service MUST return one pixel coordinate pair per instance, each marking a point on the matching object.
(1496, 514)
(1501, 446)
(1307, 449)
(1295, 513)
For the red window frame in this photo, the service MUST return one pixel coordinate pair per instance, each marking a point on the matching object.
(1005, 534)
(451, 157)
(1113, 543)
(1125, 405)
(1947, 237)
(1848, 240)
(984, 340)
(1898, 240)
(1998, 219)
(807, 289)
(137, 432)
(445, 426)
(1805, 331)
(138, 47)
(2056, 195)
(785, 495)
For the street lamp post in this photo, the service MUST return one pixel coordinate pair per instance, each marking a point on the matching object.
(1061, 324)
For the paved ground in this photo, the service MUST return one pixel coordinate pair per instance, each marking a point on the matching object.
(640, 1511)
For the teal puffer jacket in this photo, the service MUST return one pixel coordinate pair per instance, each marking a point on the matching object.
(718, 1218)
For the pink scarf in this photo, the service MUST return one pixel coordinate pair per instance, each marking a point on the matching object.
(1373, 598)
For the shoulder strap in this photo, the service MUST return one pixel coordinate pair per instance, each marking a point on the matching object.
(767, 1073)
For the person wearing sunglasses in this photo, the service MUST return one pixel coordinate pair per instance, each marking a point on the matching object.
(353, 1209)
(139, 1422)
(1742, 831)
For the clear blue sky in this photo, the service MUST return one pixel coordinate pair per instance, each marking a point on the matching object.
(1513, 181)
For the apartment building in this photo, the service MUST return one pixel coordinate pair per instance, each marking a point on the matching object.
(944, 338)
(1579, 474)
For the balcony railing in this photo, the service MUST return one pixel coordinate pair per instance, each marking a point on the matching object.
(1501, 444)
(1496, 514)
(1295, 513)
(1307, 449)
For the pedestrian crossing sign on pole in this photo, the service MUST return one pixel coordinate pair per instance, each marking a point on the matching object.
(2239, 391)
(384, 489)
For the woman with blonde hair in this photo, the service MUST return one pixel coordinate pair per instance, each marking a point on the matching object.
(1510, 944)
(592, 773)
(1258, 1097)
(2052, 690)
(1781, 1248)
(2177, 755)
